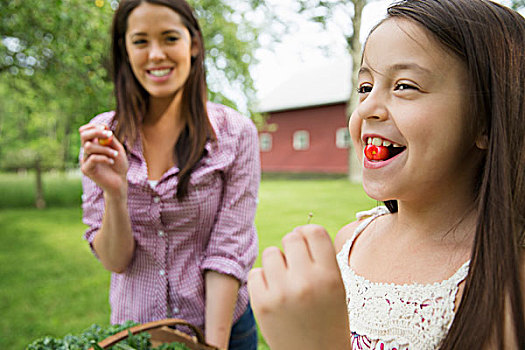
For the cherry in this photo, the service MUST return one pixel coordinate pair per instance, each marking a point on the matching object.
(105, 141)
(373, 152)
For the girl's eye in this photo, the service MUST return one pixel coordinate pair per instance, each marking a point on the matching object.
(364, 89)
(404, 86)
(139, 41)
(172, 39)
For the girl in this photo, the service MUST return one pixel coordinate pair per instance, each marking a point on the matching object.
(440, 129)
(171, 182)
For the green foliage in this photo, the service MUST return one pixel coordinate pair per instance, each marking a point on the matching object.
(54, 71)
(95, 333)
(518, 4)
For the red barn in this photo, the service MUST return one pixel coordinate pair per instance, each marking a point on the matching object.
(306, 128)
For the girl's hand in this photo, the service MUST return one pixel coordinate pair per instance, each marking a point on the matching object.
(104, 163)
(298, 296)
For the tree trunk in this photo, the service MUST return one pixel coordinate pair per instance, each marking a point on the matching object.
(40, 203)
(66, 143)
(354, 48)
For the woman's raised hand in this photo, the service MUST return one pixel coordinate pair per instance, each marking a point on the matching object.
(298, 295)
(104, 159)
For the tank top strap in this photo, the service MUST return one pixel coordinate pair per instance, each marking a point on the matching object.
(460, 274)
(367, 217)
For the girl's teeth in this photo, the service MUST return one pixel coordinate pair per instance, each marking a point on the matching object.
(376, 141)
(159, 72)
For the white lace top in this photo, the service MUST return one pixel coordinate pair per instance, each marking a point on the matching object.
(388, 316)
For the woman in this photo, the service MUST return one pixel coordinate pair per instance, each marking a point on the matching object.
(171, 182)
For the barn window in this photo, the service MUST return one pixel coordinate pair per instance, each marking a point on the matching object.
(265, 142)
(342, 138)
(301, 140)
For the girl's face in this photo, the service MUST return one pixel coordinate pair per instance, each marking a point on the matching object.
(413, 98)
(159, 48)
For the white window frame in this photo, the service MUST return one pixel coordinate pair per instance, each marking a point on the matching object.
(301, 140)
(265, 142)
(342, 138)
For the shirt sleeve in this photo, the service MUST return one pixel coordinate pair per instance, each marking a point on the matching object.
(92, 209)
(233, 246)
(92, 196)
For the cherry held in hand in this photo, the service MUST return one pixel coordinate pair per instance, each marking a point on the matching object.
(373, 152)
(106, 141)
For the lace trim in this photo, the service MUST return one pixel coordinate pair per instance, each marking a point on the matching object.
(388, 315)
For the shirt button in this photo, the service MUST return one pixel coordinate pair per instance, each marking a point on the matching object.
(156, 199)
(160, 233)
(162, 272)
(176, 310)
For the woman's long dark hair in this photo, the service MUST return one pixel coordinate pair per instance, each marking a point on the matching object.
(133, 99)
(490, 40)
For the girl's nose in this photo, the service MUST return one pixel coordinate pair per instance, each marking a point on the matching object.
(372, 108)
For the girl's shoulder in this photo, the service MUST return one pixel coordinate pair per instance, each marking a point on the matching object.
(345, 233)
(363, 219)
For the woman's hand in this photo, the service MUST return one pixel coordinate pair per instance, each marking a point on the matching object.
(298, 296)
(106, 165)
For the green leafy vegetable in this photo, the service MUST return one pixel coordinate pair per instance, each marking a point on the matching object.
(94, 334)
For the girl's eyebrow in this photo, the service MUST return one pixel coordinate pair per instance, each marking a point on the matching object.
(398, 67)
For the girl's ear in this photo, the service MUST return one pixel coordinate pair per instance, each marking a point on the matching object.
(482, 141)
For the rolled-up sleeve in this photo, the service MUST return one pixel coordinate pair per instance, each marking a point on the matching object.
(92, 209)
(232, 248)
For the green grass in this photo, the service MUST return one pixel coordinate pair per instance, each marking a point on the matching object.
(52, 285)
(60, 190)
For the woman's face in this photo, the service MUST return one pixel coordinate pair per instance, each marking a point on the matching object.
(413, 98)
(159, 48)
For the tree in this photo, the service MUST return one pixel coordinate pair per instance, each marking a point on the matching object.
(518, 4)
(54, 71)
(323, 12)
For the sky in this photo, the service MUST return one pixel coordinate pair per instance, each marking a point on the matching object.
(299, 51)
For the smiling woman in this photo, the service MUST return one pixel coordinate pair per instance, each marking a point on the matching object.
(170, 196)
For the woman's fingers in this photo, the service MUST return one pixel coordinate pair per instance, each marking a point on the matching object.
(91, 148)
(90, 132)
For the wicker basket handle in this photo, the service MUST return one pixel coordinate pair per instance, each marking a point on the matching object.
(109, 341)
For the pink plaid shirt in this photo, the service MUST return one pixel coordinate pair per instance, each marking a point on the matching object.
(212, 229)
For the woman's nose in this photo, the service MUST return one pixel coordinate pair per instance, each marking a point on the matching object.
(156, 52)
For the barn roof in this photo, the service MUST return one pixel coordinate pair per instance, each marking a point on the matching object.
(312, 85)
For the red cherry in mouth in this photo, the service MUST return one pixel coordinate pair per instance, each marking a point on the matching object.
(373, 152)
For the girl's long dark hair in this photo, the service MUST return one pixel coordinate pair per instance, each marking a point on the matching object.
(490, 40)
(132, 98)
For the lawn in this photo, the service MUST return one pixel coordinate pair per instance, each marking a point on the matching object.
(52, 285)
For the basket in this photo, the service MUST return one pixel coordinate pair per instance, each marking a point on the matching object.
(161, 333)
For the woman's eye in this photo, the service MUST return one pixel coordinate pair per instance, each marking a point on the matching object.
(139, 42)
(172, 39)
(364, 89)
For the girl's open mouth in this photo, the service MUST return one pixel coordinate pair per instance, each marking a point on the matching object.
(379, 150)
